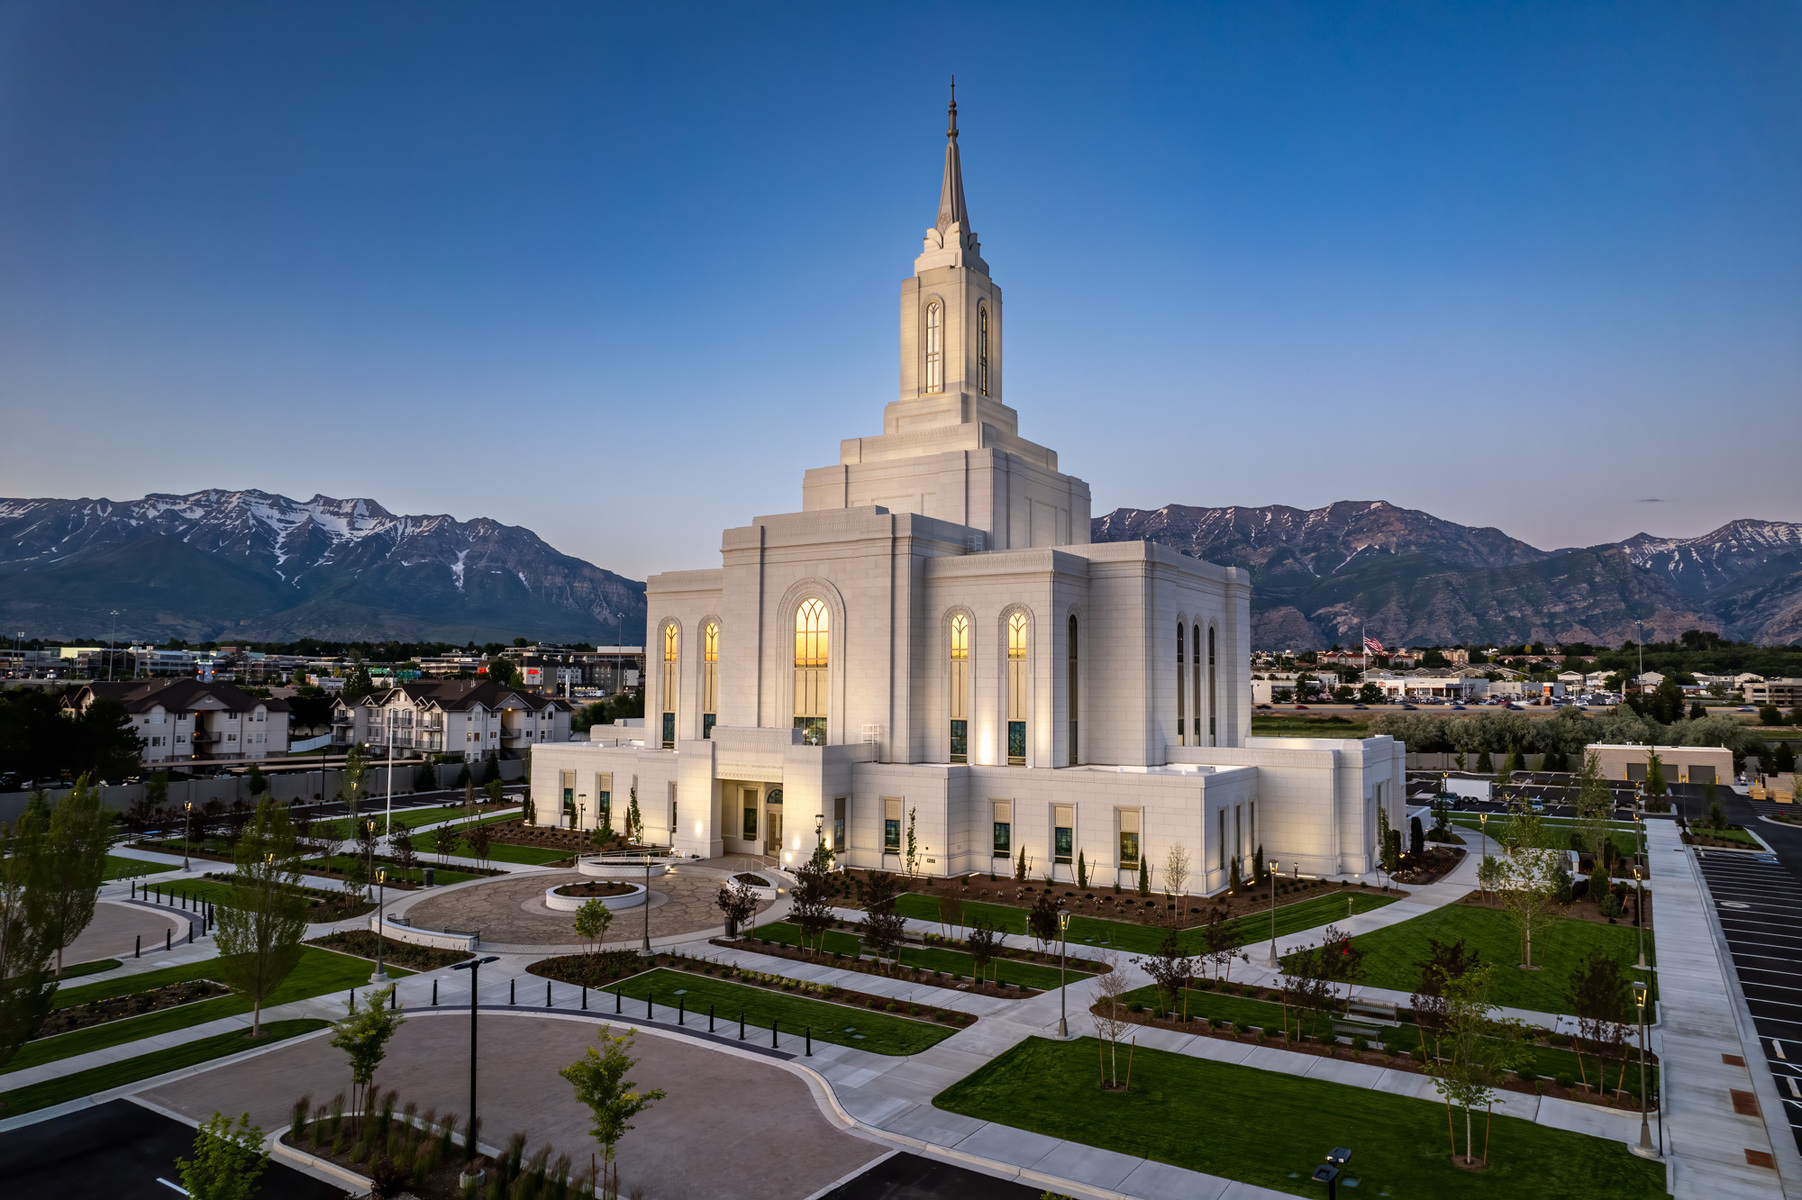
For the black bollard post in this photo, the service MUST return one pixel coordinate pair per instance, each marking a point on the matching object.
(710, 1018)
(775, 1022)
(650, 1009)
(616, 1000)
(512, 991)
(134, 889)
(681, 1010)
(138, 948)
(547, 993)
(810, 1041)
(393, 999)
(741, 1024)
(584, 997)
(166, 937)
(353, 999)
(434, 993)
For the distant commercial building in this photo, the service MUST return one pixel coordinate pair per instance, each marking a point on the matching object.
(186, 720)
(1784, 693)
(1681, 764)
(468, 718)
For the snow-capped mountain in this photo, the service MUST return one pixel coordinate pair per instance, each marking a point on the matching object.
(1321, 575)
(255, 565)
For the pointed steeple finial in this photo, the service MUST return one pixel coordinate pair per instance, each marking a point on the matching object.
(951, 191)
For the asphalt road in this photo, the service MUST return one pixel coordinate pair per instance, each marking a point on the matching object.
(121, 1151)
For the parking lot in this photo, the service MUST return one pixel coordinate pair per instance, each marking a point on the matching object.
(1759, 903)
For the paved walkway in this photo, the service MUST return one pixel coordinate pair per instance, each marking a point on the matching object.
(1709, 1143)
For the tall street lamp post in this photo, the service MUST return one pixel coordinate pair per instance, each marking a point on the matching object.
(187, 830)
(474, 967)
(1274, 868)
(1063, 932)
(1645, 1149)
(1639, 912)
(381, 910)
(646, 947)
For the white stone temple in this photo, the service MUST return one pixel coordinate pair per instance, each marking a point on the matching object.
(933, 644)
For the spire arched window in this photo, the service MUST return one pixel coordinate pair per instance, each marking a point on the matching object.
(1213, 728)
(935, 347)
(812, 634)
(670, 637)
(1195, 678)
(960, 688)
(982, 349)
(1182, 723)
(1074, 685)
(710, 677)
(1016, 689)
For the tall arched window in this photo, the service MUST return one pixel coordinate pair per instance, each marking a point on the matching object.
(1075, 690)
(1182, 721)
(669, 686)
(1195, 677)
(982, 349)
(710, 677)
(811, 637)
(960, 688)
(935, 347)
(1213, 731)
(1016, 690)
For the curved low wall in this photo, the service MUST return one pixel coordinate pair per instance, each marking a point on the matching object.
(400, 931)
(624, 870)
(571, 903)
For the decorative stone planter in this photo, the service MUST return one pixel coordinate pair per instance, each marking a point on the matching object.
(765, 891)
(624, 870)
(557, 903)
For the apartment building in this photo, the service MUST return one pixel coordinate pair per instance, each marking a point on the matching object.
(186, 720)
(465, 717)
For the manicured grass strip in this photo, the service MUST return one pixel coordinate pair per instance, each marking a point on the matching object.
(127, 868)
(1272, 1129)
(89, 968)
(1549, 1061)
(883, 1033)
(532, 855)
(928, 958)
(1558, 830)
(1392, 955)
(1097, 932)
(440, 875)
(99, 1079)
(344, 828)
(1731, 835)
(321, 972)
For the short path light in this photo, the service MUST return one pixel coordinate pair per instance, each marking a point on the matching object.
(1328, 1172)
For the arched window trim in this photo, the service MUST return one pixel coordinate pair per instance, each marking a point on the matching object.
(710, 675)
(672, 649)
(812, 663)
(935, 346)
(1016, 697)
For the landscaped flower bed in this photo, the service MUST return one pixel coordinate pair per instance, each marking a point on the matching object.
(361, 942)
(79, 1016)
(844, 951)
(819, 991)
(323, 905)
(596, 889)
(1430, 866)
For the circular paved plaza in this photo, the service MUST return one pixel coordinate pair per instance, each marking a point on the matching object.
(509, 910)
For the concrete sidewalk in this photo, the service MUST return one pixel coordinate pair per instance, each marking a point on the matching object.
(1709, 1144)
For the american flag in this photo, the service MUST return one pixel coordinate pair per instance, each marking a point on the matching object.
(1372, 646)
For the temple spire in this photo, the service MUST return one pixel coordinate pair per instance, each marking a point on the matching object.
(951, 192)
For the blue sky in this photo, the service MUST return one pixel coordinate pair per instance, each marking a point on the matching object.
(620, 274)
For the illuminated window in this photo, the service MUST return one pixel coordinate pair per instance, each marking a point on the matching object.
(1063, 832)
(1004, 829)
(960, 688)
(982, 352)
(1016, 690)
(811, 638)
(935, 347)
(710, 676)
(669, 686)
(1129, 838)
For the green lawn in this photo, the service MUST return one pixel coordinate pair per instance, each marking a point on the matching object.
(440, 875)
(1392, 955)
(929, 958)
(1294, 724)
(877, 1032)
(145, 1066)
(127, 868)
(343, 828)
(1730, 835)
(1550, 1061)
(320, 972)
(1098, 932)
(89, 968)
(1625, 838)
(535, 856)
(1272, 1130)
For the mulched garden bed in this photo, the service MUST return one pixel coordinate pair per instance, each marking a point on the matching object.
(1108, 903)
(886, 969)
(1584, 908)
(361, 942)
(576, 841)
(1430, 866)
(596, 888)
(79, 1016)
(750, 880)
(1378, 1057)
(1698, 836)
(591, 970)
(324, 905)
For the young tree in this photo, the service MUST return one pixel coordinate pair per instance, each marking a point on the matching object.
(255, 781)
(738, 903)
(1222, 937)
(479, 841)
(363, 1035)
(1042, 921)
(984, 944)
(67, 883)
(1341, 959)
(1479, 1051)
(634, 822)
(1529, 890)
(1385, 861)
(491, 791)
(882, 928)
(951, 914)
(228, 1160)
(444, 841)
(1257, 865)
(1082, 870)
(425, 778)
(1655, 784)
(1445, 962)
(356, 775)
(405, 856)
(1110, 1014)
(1597, 995)
(592, 920)
(1172, 971)
(1144, 877)
(260, 926)
(911, 858)
(491, 769)
(27, 987)
(599, 1079)
(810, 907)
(1417, 838)
(1490, 874)
(1304, 987)
(462, 779)
(1510, 764)
(1176, 877)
